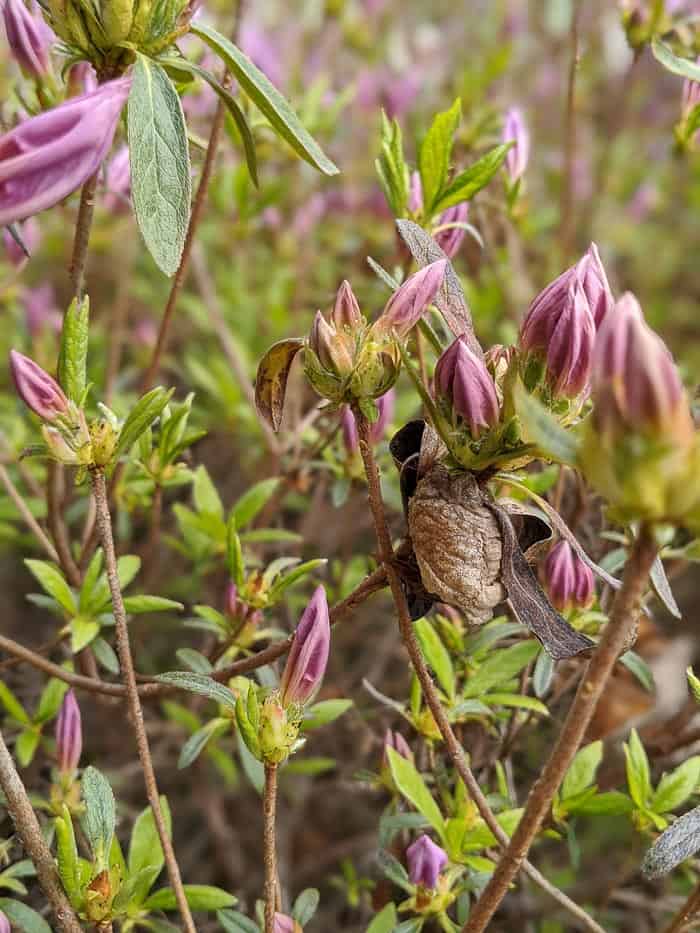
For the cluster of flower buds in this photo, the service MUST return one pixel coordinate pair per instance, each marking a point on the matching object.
(69, 739)
(100, 32)
(47, 157)
(448, 228)
(568, 581)
(29, 38)
(559, 330)
(346, 359)
(385, 414)
(515, 131)
(640, 447)
(270, 727)
(284, 924)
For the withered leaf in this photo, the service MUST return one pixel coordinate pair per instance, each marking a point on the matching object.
(450, 299)
(662, 588)
(528, 599)
(674, 845)
(271, 379)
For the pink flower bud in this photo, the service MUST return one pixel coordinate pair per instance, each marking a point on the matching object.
(30, 235)
(406, 306)
(308, 657)
(690, 95)
(29, 38)
(425, 862)
(47, 157)
(635, 382)
(284, 924)
(4, 924)
(330, 347)
(464, 383)
(560, 324)
(515, 130)
(40, 310)
(69, 734)
(348, 426)
(415, 194)
(36, 388)
(569, 582)
(346, 311)
(399, 744)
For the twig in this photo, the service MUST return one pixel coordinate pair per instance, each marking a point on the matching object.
(83, 225)
(623, 618)
(371, 584)
(24, 511)
(410, 641)
(29, 831)
(126, 664)
(269, 846)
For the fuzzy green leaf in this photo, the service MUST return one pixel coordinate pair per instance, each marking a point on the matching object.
(72, 357)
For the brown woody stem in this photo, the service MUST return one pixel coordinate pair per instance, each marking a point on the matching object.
(269, 845)
(29, 831)
(104, 524)
(623, 618)
(386, 553)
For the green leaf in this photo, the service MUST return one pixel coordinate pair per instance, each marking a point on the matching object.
(145, 850)
(100, 816)
(201, 685)
(542, 674)
(141, 417)
(234, 553)
(252, 501)
(414, 789)
(54, 583)
(26, 745)
(82, 632)
(22, 917)
(683, 67)
(320, 714)
(72, 357)
(638, 666)
(50, 700)
(472, 180)
(197, 742)
(204, 492)
(234, 922)
(582, 770)
(613, 803)
(195, 660)
(67, 857)
(128, 566)
(12, 705)
(266, 98)
(517, 701)
(541, 428)
(436, 655)
(637, 767)
(675, 788)
(693, 683)
(662, 588)
(500, 667)
(139, 604)
(385, 921)
(302, 570)
(199, 897)
(253, 768)
(160, 163)
(434, 154)
(481, 837)
(305, 906)
(391, 167)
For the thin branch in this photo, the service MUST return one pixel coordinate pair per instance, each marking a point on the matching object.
(623, 618)
(81, 240)
(686, 913)
(566, 219)
(24, 511)
(269, 845)
(126, 663)
(29, 831)
(410, 641)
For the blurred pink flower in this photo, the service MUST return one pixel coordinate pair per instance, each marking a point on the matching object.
(118, 182)
(41, 310)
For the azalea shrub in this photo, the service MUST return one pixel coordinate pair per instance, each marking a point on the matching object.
(350, 466)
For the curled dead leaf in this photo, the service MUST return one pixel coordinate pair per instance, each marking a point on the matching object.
(271, 379)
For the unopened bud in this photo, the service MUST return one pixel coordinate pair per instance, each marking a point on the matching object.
(464, 384)
(284, 924)
(69, 735)
(29, 38)
(36, 388)
(408, 303)
(4, 924)
(425, 862)
(568, 581)
(515, 130)
(398, 743)
(346, 310)
(306, 663)
(331, 348)
(278, 731)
